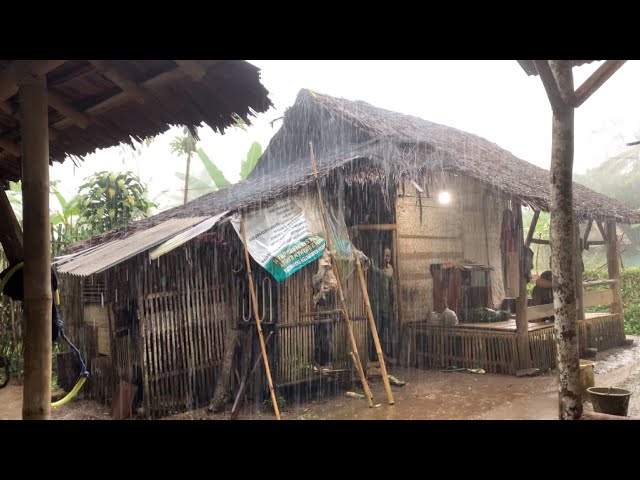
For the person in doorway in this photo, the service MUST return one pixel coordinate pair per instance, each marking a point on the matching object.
(543, 292)
(382, 288)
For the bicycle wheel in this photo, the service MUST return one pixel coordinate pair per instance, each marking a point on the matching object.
(5, 373)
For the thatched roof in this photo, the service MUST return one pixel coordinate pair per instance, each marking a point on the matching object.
(364, 143)
(97, 104)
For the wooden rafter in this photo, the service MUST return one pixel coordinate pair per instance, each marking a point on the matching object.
(118, 77)
(118, 99)
(585, 237)
(193, 68)
(79, 118)
(596, 80)
(17, 70)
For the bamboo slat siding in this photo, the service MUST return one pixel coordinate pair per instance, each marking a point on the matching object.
(601, 331)
(297, 323)
(493, 347)
(182, 330)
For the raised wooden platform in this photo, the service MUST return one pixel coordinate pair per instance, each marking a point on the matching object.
(493, 347)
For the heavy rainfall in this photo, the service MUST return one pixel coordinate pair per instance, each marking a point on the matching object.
(241, 247)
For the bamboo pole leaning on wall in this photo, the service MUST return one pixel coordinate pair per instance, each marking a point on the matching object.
(345, 313)
(254, 302)
(374, 333)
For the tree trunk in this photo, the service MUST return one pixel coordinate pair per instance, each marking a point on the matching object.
(221, 392)
(186, 179)
(37, 247)
(562, 247)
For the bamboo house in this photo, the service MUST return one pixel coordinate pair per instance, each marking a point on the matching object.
(438, 199)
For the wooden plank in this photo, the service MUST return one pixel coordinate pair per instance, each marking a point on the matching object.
(539, 242)
(540, 311)
(599, 282)
(598, 297)
(377, 227)
(431, 255)
(427, 237)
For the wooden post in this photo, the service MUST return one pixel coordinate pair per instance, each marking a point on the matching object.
(254, 302)
(562, 245)
(374, 332)
(578, 272)
(37, 260)
(522, 323)
(355, 356)
(613, 266)
(10, 231)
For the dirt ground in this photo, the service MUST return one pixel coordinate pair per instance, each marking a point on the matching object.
(427, 395)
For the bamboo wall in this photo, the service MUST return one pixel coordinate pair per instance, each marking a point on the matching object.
(298, 320)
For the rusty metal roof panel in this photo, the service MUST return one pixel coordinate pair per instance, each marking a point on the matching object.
(97, 259)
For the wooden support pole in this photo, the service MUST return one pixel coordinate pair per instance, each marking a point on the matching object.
(522, 324)
(355, 356)
(37, 247)
(254, 303)
(613, 266)
(578, 271)
(562, 246)
(10, 231)
(532, 228)
(374, 332)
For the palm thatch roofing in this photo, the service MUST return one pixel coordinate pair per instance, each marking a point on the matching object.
(100, 103)
(363, 143)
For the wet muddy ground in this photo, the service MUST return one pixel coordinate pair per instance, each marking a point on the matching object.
(427, 395)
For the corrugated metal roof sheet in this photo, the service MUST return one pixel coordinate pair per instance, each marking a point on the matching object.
(184, 237)
(97, 259)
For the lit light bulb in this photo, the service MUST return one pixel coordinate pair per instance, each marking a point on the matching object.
(444, 198)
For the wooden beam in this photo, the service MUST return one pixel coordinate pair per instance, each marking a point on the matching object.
(539, 241)
(596, 80)
(578, 267)
(416, 186)
(596, 283)
(158, 81)
(13, 73)
(602, 231)
(121, 80)
(379, 226)
(79, 118)
(613, 265)
(522, 326)
(587, 231)
(557, 97)
(532, 228)
(37, 248)
(12, 148)
(10, 231)
(193, 68)
(596, 242)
